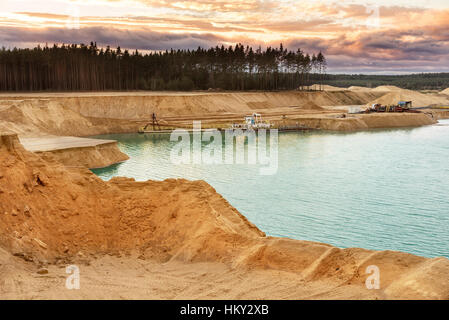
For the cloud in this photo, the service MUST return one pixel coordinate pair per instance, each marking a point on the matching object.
(144, 39)
(212, 5)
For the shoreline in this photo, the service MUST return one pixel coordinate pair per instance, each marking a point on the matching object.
(89, 114)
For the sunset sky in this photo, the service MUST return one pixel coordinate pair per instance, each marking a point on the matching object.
(386, 37)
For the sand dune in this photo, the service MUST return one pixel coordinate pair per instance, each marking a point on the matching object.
(51, 215)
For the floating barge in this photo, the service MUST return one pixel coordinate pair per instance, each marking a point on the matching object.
(255, 122)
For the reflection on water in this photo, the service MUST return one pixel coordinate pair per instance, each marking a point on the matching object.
(379, 189)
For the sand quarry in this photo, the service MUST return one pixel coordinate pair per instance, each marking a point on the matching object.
(176, 239)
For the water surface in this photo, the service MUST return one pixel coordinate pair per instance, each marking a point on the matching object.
(379, 189)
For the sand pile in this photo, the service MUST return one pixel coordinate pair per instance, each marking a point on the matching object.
(52, 214)
(418, 99)
(31, 117)
(357, 88)
(387, 88)
(445, 91)
(49, 211)
(42, 115)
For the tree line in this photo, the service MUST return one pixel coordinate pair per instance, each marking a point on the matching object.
(90, 68)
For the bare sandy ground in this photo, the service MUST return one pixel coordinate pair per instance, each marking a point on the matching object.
(109, 277)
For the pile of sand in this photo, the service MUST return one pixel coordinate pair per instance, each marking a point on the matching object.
(31, 116)
(54, 116)
(387, 88)
(445, 91)
(53, 214)
(357, 88)
(49, 212)
(418, 99)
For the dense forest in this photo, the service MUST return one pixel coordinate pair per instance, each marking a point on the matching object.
(89, 68)
(419, 81)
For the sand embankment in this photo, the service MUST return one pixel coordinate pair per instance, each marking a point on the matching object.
(35, 119)
(445, 91)
(397, 120)
(360, 121)
(418, 99)
(51, 215)
(85, 114)
(76, 152)
(358, 88)
(100, 113)
(439, 114)
(44, 116)
(130, 107)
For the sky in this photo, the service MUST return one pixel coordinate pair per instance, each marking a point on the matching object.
(381, 37)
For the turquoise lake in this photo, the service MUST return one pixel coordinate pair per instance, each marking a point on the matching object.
(377, 189)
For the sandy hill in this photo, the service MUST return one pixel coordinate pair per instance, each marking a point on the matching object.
(357, 88)
(445, 91)
(50, 214)
(69, 114)
(387, 88)
(418, 99)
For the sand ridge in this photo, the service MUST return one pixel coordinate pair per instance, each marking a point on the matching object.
(37, 115)
(53, 215)
(92, 114)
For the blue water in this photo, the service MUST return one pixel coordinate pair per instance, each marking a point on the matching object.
(379, 189)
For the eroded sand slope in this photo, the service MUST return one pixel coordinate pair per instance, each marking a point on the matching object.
(191, 243)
